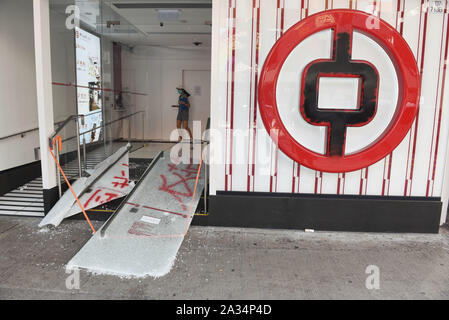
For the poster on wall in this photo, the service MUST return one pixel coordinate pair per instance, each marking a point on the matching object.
(88, 78)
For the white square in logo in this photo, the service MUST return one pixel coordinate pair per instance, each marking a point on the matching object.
(339, 93)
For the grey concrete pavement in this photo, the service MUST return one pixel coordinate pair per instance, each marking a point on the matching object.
(224, 263)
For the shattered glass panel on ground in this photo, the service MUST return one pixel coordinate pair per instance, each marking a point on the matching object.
(148, 229)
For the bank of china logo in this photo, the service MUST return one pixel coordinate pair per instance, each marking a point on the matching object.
(343, 23)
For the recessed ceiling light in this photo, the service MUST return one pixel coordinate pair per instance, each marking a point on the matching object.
(168, 15)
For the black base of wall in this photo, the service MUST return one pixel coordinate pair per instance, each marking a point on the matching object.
(16, 177)
(323, 212)
(93, 216)
(51, 196)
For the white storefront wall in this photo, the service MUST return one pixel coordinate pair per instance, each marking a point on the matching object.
(244, 32)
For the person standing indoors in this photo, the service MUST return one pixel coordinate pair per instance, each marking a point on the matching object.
(182, 120)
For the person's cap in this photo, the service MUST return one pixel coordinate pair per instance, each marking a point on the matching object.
(179, 88)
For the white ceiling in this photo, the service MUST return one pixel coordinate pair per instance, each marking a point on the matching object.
(142, 26)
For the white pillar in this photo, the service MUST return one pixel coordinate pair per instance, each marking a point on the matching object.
(41, 10)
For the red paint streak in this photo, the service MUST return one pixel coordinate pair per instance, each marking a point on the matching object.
(366, 180)
(293, 178)
(227, 102)
(387, 168)
(361, 182)
(389, 173)
(273, 168)
(413, 131)
(182, 181)
(91, 197)
(256, 86)
(234, 14)
(402, 18)
(110, 196)
(386, 180)
(248, 182)
(166, 211)
(441, 100)
(417, 114)
(122, 184)
(298, 166)
(282, 17)
(156, 209)
(190, 171)
(100, 199)
(133, 204)
(435, 112)
(141, 229)
(367, 168)
(338, 184)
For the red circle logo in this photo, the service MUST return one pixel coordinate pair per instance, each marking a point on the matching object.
(343, 23)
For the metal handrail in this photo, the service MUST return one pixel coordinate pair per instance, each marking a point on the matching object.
(60, 127)
(18, 133)
(106, 124)
(23, 132)
(66, 121)
(78, 135)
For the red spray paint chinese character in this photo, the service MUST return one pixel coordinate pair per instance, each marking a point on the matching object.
(186, 192)
(100, 197)
(124, 181)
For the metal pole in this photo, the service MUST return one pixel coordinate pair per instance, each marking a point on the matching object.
(84, 153)
(78, 145)
(57, 171)
(143, 130)
(129, 129)
(103, 116)
(205, 188)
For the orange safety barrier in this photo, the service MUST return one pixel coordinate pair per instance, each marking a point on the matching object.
(58, 138)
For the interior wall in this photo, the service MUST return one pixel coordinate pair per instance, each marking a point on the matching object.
(18, 80)
(17, 83)
(64, 75)
(152, 75)
(63, 67)
(110, 114)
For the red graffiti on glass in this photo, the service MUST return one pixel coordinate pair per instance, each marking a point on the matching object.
(179, 189)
